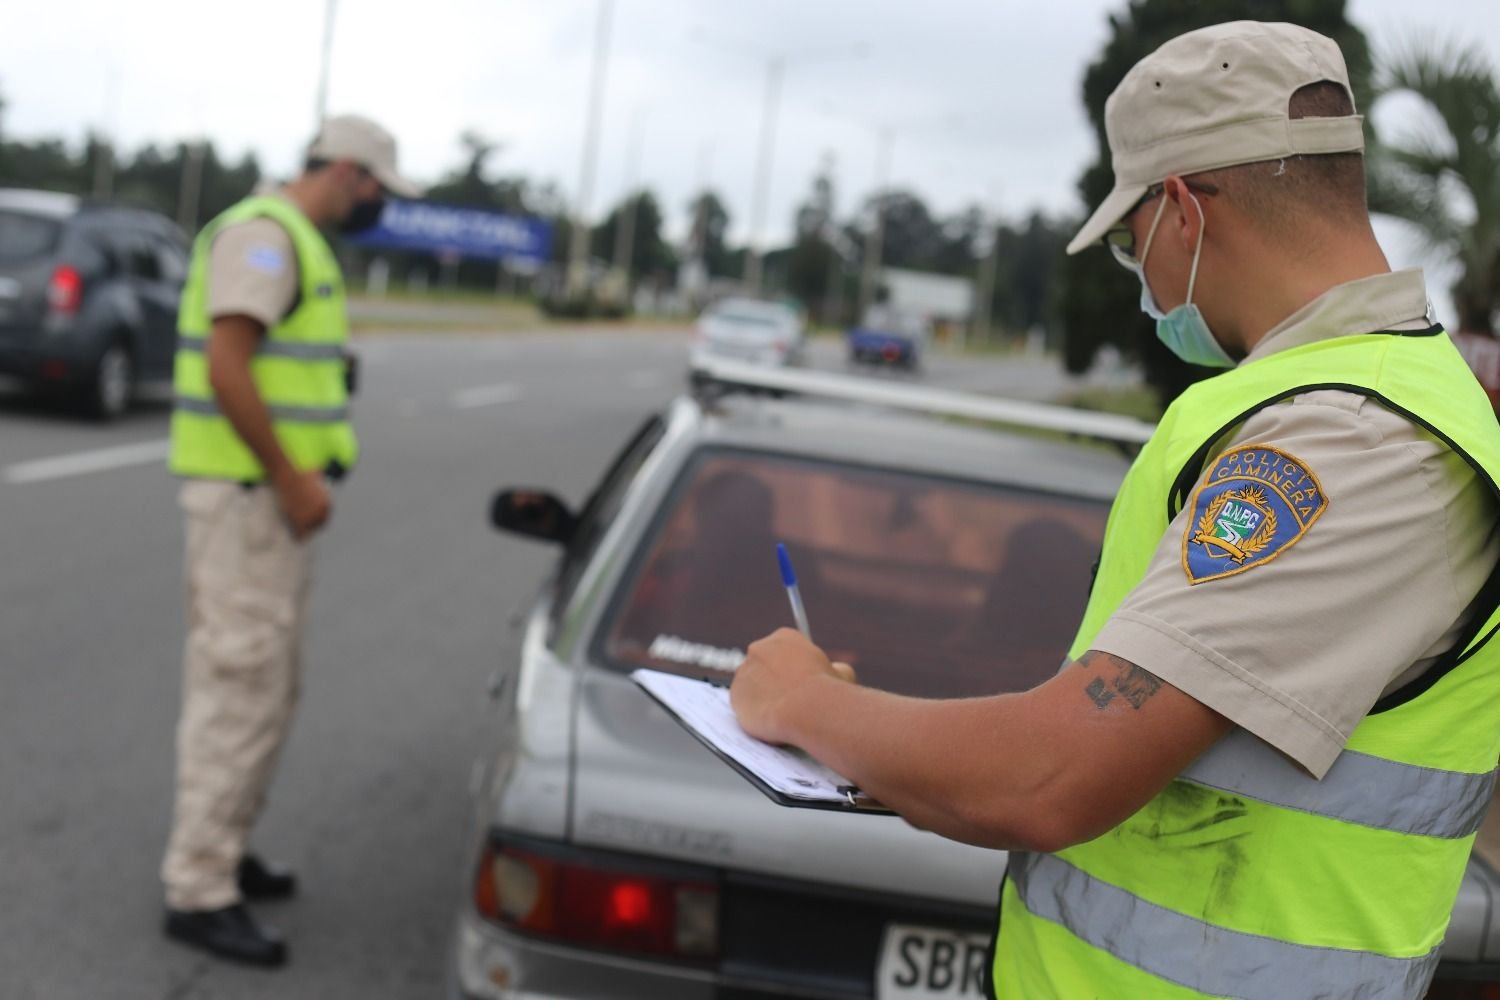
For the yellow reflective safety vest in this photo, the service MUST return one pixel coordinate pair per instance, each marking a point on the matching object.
(1245, 877)
(298, 368)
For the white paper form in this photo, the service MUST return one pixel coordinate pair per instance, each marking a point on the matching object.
(704, 708)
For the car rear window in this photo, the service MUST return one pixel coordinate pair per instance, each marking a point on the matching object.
(928, 586)
(25, 237)
(748, 318)
(749, 313)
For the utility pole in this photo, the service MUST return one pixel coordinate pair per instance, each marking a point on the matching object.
(104, 167)
(885, 140)
(104, 143)
(989, 267)
(833, 295)
(692, 274)
(189, 192)
(870, 268)
(984, 293)
(578, 246)
(330, 8)
(625, 225)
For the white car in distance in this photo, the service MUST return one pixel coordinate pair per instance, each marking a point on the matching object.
(754, 330)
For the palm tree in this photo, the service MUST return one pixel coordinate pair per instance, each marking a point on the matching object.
(1445, 179)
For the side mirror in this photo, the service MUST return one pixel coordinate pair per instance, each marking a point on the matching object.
(533, 514)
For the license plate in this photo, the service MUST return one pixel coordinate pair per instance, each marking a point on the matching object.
(930, 962)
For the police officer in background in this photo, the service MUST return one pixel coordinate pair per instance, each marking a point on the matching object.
(1261, 771)
(261, 423)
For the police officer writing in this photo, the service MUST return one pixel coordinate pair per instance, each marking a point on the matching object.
(261, 423)
(1260, 771)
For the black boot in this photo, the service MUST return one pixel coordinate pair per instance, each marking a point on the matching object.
(259, 880)
(228, 933)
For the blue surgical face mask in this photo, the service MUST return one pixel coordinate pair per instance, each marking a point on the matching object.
(1183, 330)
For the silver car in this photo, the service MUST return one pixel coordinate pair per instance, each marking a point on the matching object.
(613, 856)
(758, 331)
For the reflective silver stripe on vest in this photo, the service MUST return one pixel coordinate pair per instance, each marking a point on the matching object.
(292, 414)
(274, 349)
(1359, 788)
(1202, 956)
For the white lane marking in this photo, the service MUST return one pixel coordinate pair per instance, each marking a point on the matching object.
(644, 379)
(83, 462)
(486, 395)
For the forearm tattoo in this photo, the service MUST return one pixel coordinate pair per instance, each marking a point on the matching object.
(1117, 678)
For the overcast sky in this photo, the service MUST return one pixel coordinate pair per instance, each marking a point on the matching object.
(983, 96)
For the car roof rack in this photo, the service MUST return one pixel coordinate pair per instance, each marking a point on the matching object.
(713, 379)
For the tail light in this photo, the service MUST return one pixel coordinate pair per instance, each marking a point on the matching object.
(65, 290)
(598, 902)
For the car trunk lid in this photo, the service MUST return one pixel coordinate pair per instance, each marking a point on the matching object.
(857, 884)
(28, 250)
(643, 783)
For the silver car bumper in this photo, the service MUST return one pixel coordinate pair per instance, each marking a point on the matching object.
(489, 963)
(705, 353)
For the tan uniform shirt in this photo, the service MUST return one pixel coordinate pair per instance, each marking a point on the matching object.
(252, 271)
(1298, 648)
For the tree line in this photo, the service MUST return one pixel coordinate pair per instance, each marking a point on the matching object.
(1446, 182)
(819, 268)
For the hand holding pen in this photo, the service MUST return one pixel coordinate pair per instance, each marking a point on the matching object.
(768, 685)
(799, 611)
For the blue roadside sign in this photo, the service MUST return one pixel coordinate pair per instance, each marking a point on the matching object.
(468, 232)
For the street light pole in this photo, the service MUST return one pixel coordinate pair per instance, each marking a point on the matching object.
(578, 246)
(776, 65)
(330, 8)
(775, 68)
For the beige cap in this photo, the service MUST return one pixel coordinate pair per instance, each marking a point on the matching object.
(1213, 98)
(356, 138)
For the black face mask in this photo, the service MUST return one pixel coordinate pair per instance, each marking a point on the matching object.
(364, 215)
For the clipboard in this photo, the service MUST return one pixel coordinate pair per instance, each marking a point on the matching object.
(786, 777)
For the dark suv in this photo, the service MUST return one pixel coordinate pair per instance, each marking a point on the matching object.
(88, 295)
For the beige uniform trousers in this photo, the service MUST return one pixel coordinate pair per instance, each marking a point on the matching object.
(247, 584)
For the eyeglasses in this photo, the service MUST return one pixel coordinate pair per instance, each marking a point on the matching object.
(1121, 238)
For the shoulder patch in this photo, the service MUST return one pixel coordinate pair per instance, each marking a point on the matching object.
(265, 258)
(1255, 503)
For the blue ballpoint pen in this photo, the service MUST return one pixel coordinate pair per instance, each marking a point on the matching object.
(789, 577)
(794, 594)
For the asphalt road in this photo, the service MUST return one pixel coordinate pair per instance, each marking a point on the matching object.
(411, 616)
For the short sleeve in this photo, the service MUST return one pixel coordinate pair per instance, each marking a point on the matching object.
(1313, 565)
(252, 271)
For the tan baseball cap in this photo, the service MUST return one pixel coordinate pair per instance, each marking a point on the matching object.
(1213, 98)
(356, 138)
